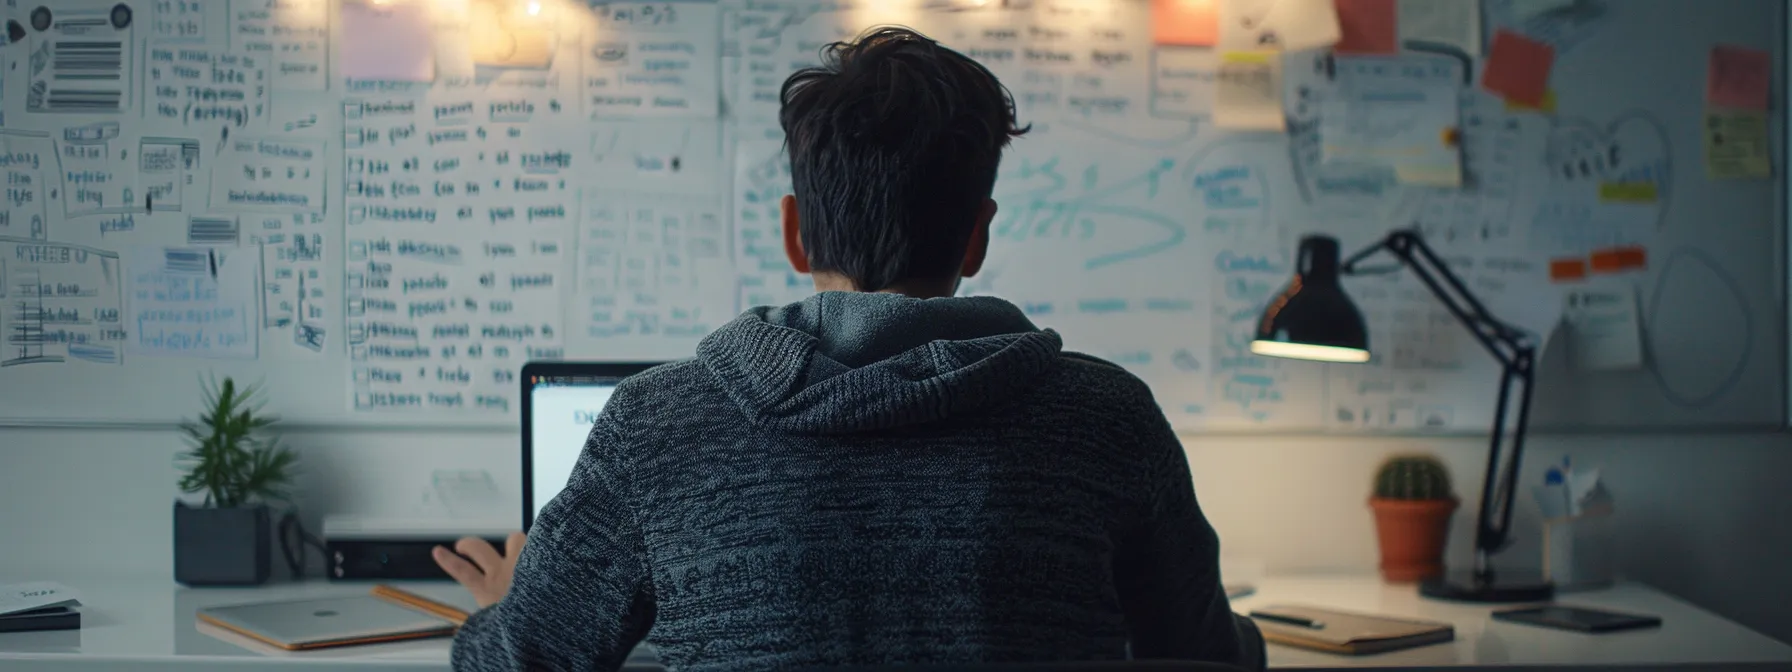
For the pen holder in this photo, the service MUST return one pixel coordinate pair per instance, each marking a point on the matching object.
(1578, 552)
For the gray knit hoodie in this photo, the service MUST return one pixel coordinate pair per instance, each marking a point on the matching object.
(870, 479)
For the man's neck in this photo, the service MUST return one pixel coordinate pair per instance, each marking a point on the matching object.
(919, 289)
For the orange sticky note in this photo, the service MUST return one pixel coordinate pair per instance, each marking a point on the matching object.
(1562, 270)
(1185, 23)
(1606, 261)
(1738, 77)
(1633, 257)
(1368, 26)
(1518, 68)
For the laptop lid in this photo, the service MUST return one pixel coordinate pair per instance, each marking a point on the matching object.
(337, 621)
(560, 401)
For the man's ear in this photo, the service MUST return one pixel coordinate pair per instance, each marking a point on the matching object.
(978, 248)
(793, 239)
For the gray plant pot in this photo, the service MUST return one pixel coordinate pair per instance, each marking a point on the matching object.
(222, 547)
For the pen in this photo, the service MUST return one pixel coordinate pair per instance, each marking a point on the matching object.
(1290, 620)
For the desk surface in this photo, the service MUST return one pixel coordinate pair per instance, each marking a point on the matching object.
(151, 625)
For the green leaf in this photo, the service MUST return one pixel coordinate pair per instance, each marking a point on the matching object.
(234, 459)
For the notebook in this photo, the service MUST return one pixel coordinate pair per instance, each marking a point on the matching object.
(386, 615)
(41, 605)
(47, 618)
(1346, 632)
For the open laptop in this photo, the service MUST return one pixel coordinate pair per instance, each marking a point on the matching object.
(561, 400)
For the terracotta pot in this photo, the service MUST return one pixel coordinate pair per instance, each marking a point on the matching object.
(1412, 533)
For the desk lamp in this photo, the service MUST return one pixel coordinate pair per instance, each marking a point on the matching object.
(1314, 319)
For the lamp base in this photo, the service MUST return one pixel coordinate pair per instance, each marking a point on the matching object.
(1491, 587)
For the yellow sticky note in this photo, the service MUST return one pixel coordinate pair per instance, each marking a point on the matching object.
(1248, 57)
(1247, 92)
(1547, 107)
(1627, 192)
(1737, 146)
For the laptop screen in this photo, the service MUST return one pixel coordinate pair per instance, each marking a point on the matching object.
(562, 409)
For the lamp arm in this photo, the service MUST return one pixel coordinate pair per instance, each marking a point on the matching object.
(1517, 357)
(1501, 340)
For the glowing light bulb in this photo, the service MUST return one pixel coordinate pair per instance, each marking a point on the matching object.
(534, 8)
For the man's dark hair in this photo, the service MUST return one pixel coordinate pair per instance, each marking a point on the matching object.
(894, 142)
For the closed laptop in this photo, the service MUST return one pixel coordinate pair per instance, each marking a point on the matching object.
(321, 623)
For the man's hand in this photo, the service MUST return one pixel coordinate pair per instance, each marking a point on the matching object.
(487, 577)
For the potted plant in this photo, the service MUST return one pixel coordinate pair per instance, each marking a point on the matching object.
(241, 468)
(1413, 505)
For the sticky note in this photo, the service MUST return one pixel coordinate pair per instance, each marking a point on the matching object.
(1248, 92)
(1737, 145)
(1454, 23)
(1605, 326)
(1368, 27)
(1185, 23)
(1738, 77)
(1619, 259)
(1548, 106)
(394, 42)
(1627, 192)
(1566, 270)
(1518, 68)
(1277, 25)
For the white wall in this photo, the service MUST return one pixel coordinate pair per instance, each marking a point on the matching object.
(1716, 507)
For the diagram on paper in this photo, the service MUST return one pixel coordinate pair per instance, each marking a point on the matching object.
(63, 303)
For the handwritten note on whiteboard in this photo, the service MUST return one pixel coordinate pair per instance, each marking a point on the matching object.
(653, 276)
(67, 297)
(295, 34)
(193, 302)
(270, 175)
(95, 175)
(459, 215)
(296, 284)
(655, 60)
(189, 21)
(165, 167)
(657, 156)
(204, 88)
(1397, 112)
(26, 163)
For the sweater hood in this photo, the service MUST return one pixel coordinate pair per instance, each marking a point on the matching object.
(845, 362)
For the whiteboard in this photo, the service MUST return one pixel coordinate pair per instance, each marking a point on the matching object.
(233, 201)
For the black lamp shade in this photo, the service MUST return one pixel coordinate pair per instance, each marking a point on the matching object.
(1312, 318)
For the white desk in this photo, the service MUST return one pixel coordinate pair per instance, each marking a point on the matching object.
(1688, 636)
(150, 625)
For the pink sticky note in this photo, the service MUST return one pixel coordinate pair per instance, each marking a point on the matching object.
(1369, 27)
(393, 43)
(1738, 77)
(1185, 23)
(1518, 68)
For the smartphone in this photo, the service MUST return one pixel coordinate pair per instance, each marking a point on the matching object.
(1576, 618)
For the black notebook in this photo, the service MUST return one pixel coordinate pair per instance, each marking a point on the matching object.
(47, 618)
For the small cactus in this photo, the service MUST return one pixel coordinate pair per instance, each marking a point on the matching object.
(1413, 477)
